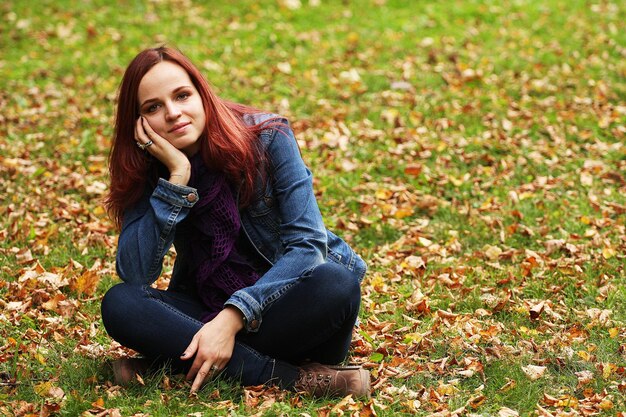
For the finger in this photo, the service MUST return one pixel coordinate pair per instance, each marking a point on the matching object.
(147, 128)
(191, 349)
(138, 129)
(195, 366)
(200, 377)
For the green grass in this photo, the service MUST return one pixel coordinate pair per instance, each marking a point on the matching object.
(513, 112)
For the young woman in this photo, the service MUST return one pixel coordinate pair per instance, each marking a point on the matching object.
(261, 292)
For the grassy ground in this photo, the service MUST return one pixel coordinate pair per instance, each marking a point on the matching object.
(473, 152)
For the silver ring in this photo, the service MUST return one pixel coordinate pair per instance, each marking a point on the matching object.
(215, 367)
(143, 146)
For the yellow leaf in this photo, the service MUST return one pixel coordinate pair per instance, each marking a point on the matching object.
(46, 389)
(353, 37)
(377, 282)
(413, 405)
(511, 383)
(383, 194)
(605, 404)
(413, 337)
(585, 220)
(567, 401)
(492, 252)
(42, 388)
(390, 116)
(446, 389)
(608, 252)
(403, 212)
(486, 204)
(613, 332)
(39, 357)
(607, 370)
(584, 355)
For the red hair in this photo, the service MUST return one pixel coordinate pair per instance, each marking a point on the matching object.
(230, 146)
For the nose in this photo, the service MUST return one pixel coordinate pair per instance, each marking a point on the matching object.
(172, 111)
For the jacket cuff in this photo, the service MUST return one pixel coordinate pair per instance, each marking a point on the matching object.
(249, 307)
(177, 195)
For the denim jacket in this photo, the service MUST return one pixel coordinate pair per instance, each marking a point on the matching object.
(283, 224)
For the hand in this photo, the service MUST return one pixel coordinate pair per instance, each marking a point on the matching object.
(175, 160)
(213, 346)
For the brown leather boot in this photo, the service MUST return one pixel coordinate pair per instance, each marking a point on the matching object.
(125, 370)
(320, 380)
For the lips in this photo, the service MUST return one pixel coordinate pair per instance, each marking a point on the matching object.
(178, 127)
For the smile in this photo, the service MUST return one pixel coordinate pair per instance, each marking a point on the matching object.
(179, 127)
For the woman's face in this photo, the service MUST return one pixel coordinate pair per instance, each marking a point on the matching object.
(172, 106)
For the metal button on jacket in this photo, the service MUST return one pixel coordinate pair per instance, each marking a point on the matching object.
(191, 197)
(254, 324)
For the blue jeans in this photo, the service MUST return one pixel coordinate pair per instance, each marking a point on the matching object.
(313, 320)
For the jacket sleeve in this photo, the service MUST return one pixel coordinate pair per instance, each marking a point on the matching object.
(148, 231)
(302, 231)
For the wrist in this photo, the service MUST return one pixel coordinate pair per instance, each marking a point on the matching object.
(179, 177)
(233, 318)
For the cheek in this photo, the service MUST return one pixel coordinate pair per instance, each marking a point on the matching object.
(156, 124)
(201, 116)
(199, 108)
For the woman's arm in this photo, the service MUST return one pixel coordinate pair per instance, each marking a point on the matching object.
(148, 231)
(302, 231)
(148, 228)
(212, 346)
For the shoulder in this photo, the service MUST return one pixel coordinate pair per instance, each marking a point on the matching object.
(268, 126)
(263, 119)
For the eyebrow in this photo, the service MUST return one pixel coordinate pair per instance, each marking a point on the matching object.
(174, 91)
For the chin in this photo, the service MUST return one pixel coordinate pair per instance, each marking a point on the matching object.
(189, 147)
(183, 143)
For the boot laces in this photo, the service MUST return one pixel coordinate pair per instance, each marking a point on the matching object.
(315, 381)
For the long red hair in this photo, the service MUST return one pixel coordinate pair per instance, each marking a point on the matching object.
(229, 145)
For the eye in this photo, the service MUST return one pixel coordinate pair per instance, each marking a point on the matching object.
(183, 96)
(152, 108)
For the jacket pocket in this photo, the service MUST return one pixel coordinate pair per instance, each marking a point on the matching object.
(264, 212)
(334, 256)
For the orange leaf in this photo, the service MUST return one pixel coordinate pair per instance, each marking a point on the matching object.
(86, 283)
(413, 169)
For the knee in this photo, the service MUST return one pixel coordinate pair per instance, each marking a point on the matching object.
(337, 280)
(116, 303)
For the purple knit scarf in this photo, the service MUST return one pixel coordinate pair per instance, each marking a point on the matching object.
(218, 268)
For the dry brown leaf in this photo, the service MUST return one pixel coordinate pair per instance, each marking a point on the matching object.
(584, 378)
(507, 412)
(536, 310)
(534, 372)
